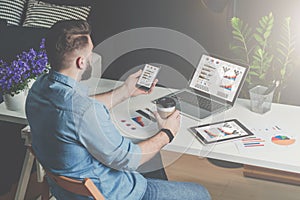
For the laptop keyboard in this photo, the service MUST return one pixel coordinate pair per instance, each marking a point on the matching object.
(197, 101)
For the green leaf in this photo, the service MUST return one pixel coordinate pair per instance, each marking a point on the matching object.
(236, 48)
(263, 22)
(258, 38)
(256, 58)
(238, 38)
(267, 34)
(288, 20)
(254, 67)
(234, 32)
(260, 52)
(285, 48)
(235, 22)
(282, 72)
(292, 49)
(260, 30)
(281, 52)
(270, 23)
(242, 34)
(282, 45)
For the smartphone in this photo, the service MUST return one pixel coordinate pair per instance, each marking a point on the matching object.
(147, 77)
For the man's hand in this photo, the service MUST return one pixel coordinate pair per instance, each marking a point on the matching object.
(130, 88)
(172, 122)
(154, 144)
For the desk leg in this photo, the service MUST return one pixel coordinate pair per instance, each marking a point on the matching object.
(40, 172)
(25, 175)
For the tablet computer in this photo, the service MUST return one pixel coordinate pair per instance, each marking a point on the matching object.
(220, 131)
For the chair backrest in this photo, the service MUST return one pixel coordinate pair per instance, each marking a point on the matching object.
(85, 187)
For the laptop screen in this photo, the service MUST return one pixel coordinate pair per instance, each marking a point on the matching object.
(219, 78)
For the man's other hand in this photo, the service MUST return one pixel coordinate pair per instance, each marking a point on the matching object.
(130, 85)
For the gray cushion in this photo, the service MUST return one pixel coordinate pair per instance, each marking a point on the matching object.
(42, 14)
(12, 11)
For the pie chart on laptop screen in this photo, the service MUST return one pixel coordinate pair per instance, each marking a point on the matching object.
(283, 140)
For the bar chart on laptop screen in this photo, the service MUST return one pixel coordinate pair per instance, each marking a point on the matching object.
(218, 77)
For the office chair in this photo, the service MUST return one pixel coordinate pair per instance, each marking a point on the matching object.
(85, 187)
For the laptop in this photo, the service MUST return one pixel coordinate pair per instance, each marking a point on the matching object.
(213, 88)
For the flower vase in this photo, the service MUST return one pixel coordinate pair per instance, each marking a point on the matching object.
(16, 102)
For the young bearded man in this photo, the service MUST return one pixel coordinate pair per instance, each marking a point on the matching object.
(73, 135)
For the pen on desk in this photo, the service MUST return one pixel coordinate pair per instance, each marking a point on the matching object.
(251, 138)
(254, 140)
(148, 109)
(146, 115)
(250, 143)
(254, 145)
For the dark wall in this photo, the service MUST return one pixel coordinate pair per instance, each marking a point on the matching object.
(208, 24)
(189, 17)
(14, 40)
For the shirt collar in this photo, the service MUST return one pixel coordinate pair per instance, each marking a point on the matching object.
(68, 81)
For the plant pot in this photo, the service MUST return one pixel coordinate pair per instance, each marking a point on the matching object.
(30, 83)
(16, 102)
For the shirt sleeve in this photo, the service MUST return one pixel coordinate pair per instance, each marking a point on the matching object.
(101, 138)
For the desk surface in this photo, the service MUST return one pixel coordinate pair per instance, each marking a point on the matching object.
(275, 157)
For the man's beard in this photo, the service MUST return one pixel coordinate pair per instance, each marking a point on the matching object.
(88, 72)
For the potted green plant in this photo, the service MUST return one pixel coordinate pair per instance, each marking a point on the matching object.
(269, 60)
(15, 77)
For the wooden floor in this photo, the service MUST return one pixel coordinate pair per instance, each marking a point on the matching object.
(222, 183)
(226, 183)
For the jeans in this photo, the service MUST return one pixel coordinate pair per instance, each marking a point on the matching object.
(170, 190)
(154, 168)
(156, 190)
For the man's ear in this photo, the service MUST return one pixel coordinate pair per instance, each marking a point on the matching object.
(79, 63)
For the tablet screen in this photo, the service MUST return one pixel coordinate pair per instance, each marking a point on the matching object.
(220, 131)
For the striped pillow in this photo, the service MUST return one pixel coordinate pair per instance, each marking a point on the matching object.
(12, 11)
(41, 14)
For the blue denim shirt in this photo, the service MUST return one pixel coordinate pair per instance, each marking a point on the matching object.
(72, 135)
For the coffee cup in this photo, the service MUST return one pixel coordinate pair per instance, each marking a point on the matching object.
(165, 107)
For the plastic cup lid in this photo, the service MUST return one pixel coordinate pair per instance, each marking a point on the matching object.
(166, 102)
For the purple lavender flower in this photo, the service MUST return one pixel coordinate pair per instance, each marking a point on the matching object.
(14, 77)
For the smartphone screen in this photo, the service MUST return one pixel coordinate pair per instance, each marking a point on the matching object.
(147, 77)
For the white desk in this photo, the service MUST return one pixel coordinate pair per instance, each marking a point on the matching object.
(283, 158)
(279, 157)
(12, 116)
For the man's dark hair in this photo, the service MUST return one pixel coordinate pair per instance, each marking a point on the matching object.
(65, 37)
